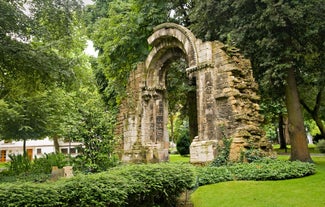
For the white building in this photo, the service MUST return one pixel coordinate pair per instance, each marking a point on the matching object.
(36, 148)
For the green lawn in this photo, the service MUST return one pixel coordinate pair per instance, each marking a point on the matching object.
(301, 192)
(3, 165)
(312, 148)
(178, 158)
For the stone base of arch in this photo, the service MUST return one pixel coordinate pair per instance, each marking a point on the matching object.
(202, 152)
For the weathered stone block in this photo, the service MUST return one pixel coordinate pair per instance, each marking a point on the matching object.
(203, 151)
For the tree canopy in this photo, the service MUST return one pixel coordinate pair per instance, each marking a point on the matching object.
(281, 38)
(47, 86)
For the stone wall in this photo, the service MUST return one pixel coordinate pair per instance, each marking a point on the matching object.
(227, 104)
(227, 100)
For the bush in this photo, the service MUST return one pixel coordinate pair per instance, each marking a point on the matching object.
(183, 145)
(132, 185)
(29, 194)
(252, 155)
(45, 163)
(19, 164)
(223, 153)
(265, 169)
(211, 175)
(96, 156)
(321, 146)
(21, 169)
(271, 169)
(157, 184)
(317, 138)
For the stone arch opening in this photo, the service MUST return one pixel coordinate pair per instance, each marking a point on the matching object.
(225, 97)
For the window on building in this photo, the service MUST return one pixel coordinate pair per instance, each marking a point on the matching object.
(72, 150)
(64, 150)
(39, 151)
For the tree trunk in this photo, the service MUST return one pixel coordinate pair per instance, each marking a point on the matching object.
(56, 144)
(320, 125)
(315, 111)
(283, 144)
(297, 133)
(24, 147)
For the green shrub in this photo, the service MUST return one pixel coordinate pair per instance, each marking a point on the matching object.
(24, 177)
(131, 185)
(157, 183)
(183, 144)
(29, 194)
(211, 175)
(271, 169)
(321, 146)
(265, 169)
(45, 163)
(101, 189)
(21, 169)
(223, 153)
(252, 155)
(19, 164)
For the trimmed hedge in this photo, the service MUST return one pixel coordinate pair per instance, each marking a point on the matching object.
(131, 185)
(142, 185)
(266, 169)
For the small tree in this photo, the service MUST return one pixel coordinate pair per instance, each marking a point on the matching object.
(183, 138)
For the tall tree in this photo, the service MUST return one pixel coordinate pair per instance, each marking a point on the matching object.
(35, 59)
(123, 31)
(312, 89)
(276, 35)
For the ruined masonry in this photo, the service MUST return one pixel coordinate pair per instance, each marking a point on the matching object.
(226, 98)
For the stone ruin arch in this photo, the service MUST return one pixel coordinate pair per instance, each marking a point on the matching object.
(226, 98)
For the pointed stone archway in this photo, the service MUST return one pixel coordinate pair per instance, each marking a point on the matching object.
(226, 99)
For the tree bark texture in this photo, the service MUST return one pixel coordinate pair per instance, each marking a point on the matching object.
(56, 144)
(315, 111)
(283, 144)
(297, 133)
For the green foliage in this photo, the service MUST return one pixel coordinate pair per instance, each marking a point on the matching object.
(30, 194)
(321, 146)
(22, 169)
(277, 36)
(45, 163)
(183, 139)
(96, 131)
(210, 175)
(183, 145)
(133, 185)
(19, 164)
(23, 118)
(312, 127)
(120, 30)
(223, 149)
(95, 159)
(251, 154)
(264, 169)
(270, 169)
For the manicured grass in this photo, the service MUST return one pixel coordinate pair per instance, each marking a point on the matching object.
(311, 147)
(301, 192)
(3, 165)
(179, 158)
